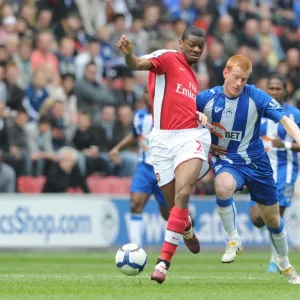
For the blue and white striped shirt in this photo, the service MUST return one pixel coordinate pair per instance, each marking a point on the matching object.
(284, 162)
(236, 122)
(142, 126)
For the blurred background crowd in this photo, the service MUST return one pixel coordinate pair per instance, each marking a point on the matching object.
(66, 97)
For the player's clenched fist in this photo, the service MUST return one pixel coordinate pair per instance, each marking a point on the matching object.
(124, 44)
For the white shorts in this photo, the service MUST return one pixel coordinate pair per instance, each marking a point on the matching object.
(169, 148)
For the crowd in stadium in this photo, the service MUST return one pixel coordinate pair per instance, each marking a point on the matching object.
(63, 82)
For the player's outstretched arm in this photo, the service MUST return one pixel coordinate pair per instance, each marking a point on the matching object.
(278, 143)
(132, 61)
(127, 140)
(291, 128)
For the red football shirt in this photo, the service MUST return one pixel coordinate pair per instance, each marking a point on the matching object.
(173, 90)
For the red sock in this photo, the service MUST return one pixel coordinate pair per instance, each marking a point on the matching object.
(188, 224)
(176, 224)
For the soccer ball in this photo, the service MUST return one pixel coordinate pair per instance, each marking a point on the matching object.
(131, 259)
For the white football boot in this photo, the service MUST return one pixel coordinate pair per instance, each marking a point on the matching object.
(289, 273)
(233, 249)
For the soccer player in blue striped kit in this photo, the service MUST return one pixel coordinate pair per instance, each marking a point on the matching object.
(282, 152)
(235, 111)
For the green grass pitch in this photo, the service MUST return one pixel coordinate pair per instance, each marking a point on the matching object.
(93, 275)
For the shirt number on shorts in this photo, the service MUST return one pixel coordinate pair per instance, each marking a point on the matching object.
(199, 147)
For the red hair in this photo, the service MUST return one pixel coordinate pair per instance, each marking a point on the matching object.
(240, 61)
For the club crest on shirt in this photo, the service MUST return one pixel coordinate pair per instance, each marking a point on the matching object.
(228, 112)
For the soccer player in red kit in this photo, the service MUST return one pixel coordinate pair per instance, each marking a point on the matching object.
(179, 144)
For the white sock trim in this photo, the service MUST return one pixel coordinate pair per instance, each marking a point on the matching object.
(173, 237)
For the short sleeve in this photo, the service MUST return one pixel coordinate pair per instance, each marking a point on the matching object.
(161, 60)
(204, 97)
(266, 105)
(200, 100)
(274, 111)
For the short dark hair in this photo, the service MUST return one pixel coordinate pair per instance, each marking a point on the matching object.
(280, 78)
(193, 30)
(67, 76)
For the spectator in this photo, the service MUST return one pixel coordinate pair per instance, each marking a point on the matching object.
(42, 56)
(27, 13)
(183, 10)
(151, 16)
(23, 29)
(65, 173)
(44, 19)
(35, 95)
(71, 26)
(123, 125)
(88, 139)
(107, 121)
(59, 8)
(66, 56)
(7, 177)
(15, 94)
(106, 47)
(61, 132)
(90, 93)
(67, 95)
(92, 54)
(224, 33)
(18, 144)
(39, 144)
(138, 35)
(11, 45)
(216, 63)
(293, 61)
(289, 38)
(178, 26)
(267, 35)
(241, 13)
(8, 27)
(264, 67)
(249, 37)
(122, 85)
(128, 157)
(22, 60)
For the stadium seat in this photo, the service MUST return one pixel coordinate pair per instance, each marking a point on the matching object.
(31, 185)
(109, 185)
(72, 190)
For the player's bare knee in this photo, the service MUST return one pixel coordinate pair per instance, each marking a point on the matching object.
(224, 187)
(223, 191)
(272, 221)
